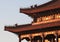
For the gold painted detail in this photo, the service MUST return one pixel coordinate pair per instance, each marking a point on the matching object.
(23, 36)
(47, 19)
(40, 34)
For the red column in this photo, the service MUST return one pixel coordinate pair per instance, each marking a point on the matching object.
(19, 38)
(43, 37)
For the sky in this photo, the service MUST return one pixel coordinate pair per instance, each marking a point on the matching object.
(10, 15)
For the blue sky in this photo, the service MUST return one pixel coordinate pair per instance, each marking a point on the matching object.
(9, 15)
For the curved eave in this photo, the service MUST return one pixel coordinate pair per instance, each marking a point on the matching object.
(32, 27)
(49, 6)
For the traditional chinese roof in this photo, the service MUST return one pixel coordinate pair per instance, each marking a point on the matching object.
(21, 28)
(54, 4)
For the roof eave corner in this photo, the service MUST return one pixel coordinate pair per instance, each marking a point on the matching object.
(5, 28)
(21, 10)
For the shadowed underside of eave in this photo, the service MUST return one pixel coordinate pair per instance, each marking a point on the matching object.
(48, 6)
(32, 27)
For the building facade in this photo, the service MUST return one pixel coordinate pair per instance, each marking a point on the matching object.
(45, 26)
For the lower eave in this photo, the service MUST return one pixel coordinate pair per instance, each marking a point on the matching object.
(32, 27)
